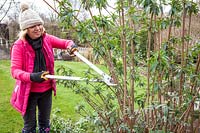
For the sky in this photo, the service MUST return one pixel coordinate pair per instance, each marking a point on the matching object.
(45, 8)
(41, 7)
(40, 4)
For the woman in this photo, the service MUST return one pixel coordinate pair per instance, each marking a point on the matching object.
(31, 59)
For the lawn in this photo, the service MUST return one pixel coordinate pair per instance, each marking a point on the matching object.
(11, 121)
(66, 101)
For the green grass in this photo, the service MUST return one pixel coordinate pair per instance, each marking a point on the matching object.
(11, 121)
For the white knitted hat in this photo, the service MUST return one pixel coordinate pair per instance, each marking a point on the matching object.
(28, 17)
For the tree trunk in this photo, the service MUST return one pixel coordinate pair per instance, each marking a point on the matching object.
(182, 54)
(148, 65)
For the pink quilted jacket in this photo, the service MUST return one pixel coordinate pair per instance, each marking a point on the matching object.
(22, 63)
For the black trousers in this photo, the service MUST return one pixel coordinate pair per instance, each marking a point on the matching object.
(44, 102)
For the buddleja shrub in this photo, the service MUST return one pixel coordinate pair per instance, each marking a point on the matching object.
(157, 82)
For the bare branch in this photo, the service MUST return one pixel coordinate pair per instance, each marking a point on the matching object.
(3, 4)
(6, 11)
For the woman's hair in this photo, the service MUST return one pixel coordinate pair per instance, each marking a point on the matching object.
(23, 33)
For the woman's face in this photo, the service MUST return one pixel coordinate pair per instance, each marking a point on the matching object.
(35, 31)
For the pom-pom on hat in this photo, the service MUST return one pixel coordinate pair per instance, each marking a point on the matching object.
(28, 17)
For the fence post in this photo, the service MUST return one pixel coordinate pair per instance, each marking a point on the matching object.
(1, 43)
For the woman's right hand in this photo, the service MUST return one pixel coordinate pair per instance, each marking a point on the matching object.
(38, 76)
